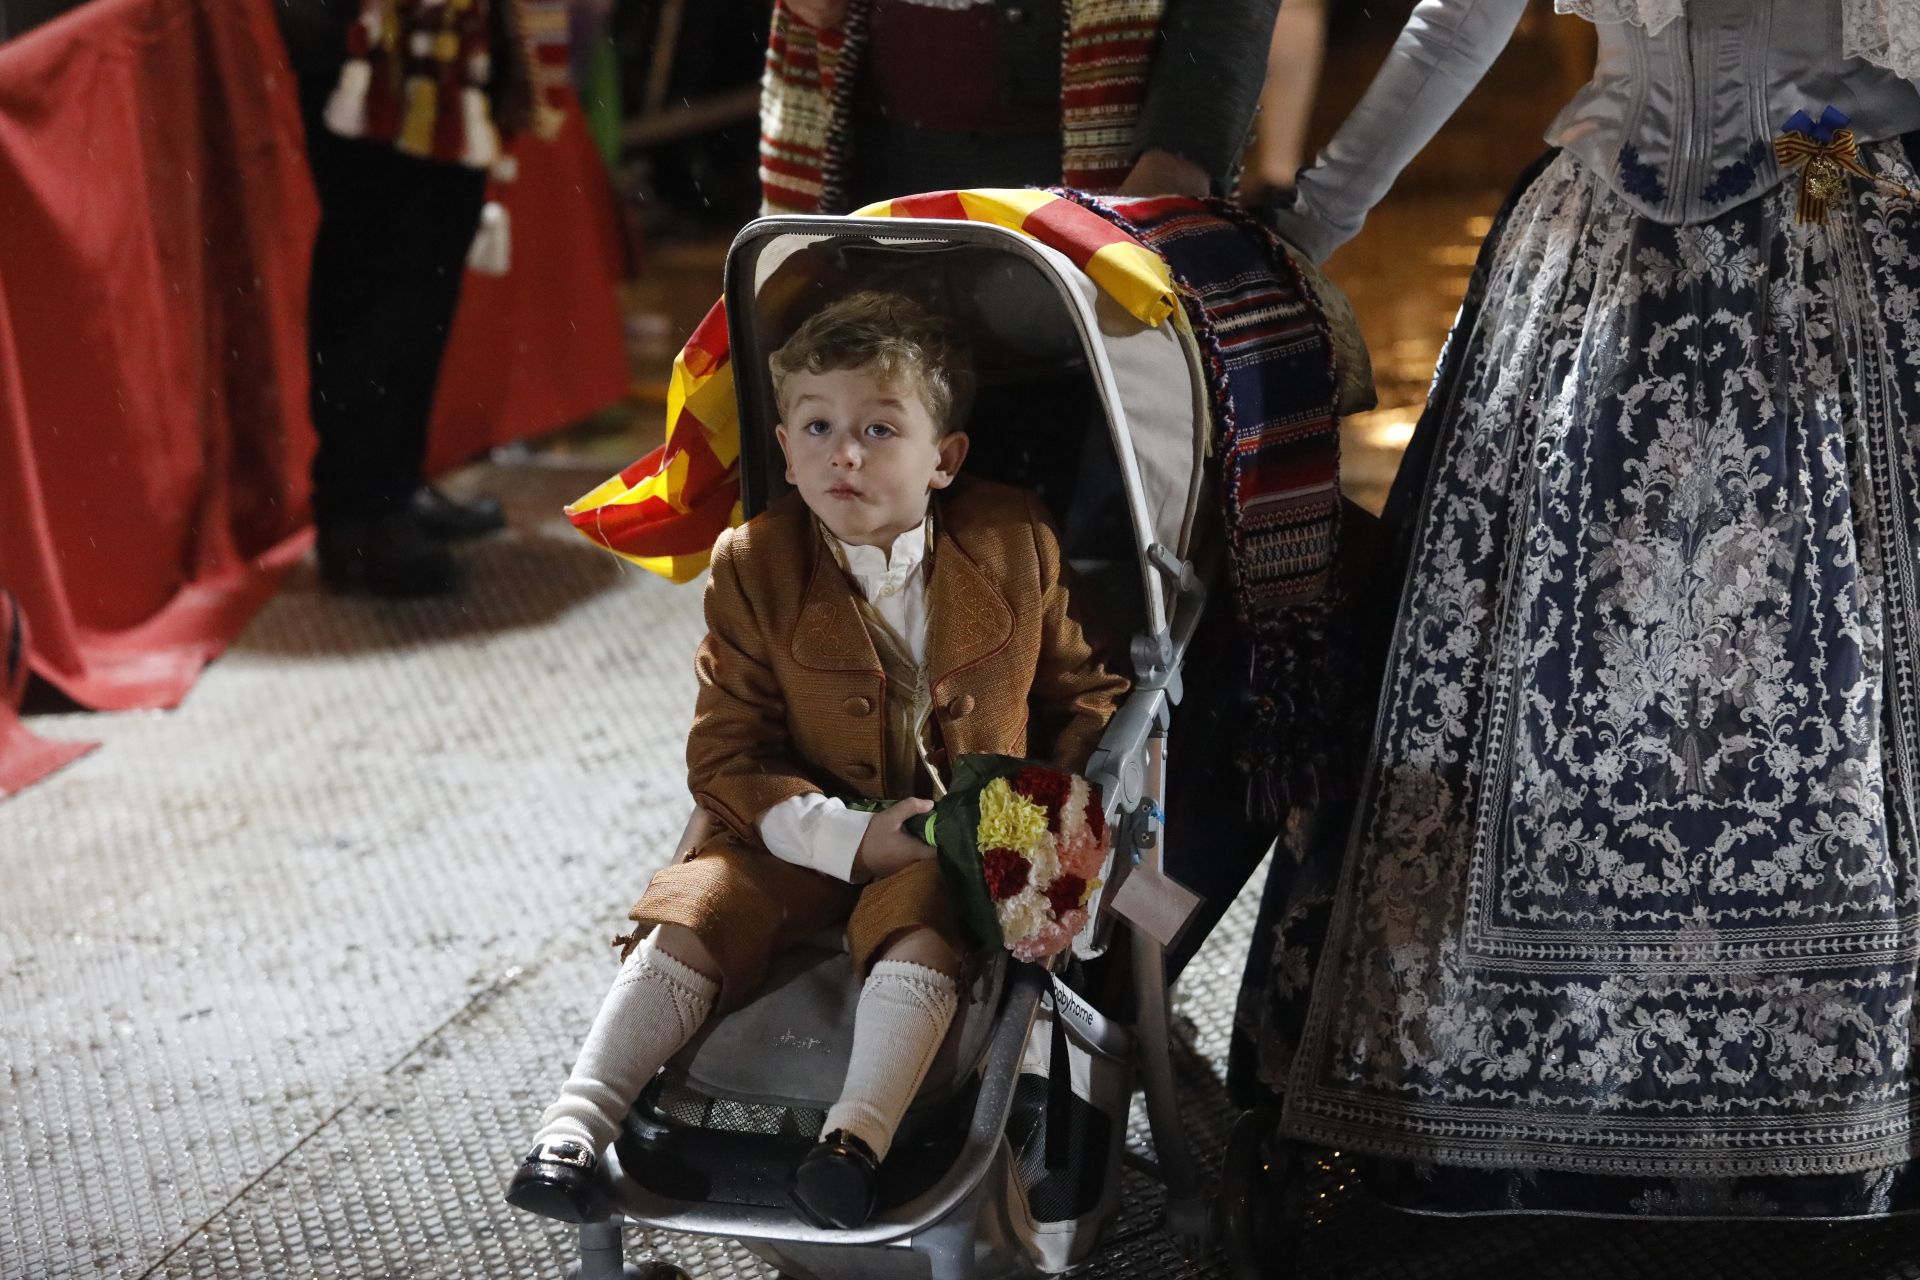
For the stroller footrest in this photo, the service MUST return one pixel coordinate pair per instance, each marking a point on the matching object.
(695, 1163)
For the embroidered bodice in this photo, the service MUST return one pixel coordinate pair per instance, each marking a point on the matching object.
(1678, 118)
(1682, 120)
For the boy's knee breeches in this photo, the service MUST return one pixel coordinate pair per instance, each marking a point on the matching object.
(746, 906)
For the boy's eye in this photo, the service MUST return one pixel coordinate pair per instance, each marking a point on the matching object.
(879, 430)
(817, 427)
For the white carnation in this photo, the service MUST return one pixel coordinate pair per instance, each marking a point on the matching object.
(1073, 812)
(1044, 858)
(1025, 912)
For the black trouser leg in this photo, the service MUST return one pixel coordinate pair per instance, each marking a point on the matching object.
(1213, 845)
(387, 269)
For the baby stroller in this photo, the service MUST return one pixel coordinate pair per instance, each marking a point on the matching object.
(1008, 1163)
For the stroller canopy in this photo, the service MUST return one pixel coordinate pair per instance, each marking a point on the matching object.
(665, 510)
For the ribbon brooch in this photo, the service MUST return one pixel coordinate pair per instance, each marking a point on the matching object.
(1824, 153)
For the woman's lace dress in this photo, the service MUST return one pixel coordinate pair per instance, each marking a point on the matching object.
(1633, 884)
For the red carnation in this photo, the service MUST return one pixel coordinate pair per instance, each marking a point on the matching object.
(1006, 872)
(1064, 894)
(1048, 788)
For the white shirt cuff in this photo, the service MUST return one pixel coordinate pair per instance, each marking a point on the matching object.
(815, 831)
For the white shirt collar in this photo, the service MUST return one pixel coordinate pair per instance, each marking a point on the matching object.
(881, 568)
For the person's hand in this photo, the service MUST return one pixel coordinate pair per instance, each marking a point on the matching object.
(1162, 173)
(821, 14)
(1297, 225)
(885, 848)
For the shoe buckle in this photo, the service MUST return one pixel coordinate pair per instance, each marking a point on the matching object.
(564, 1152)
(849, 1143)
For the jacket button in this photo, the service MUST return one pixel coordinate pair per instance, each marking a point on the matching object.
(860, 771)
(858, 706)
(960, 705)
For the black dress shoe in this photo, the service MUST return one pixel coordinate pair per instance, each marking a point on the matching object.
(833, 1183)
(388, 555)
(556, 1180)
(455, 519)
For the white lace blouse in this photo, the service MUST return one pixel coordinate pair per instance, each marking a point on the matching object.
(1679, 117)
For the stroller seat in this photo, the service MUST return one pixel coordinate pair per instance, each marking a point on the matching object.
(789, 1047)
(729, 1117)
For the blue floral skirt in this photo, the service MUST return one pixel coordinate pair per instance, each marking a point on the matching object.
(1627, 915)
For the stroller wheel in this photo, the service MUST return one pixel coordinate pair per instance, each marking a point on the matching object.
(651, 1269)
(600, 1258)
(1263, 1207)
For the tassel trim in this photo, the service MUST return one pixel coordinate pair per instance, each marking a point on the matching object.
(346, 112)
(483, 141)
(492, 250)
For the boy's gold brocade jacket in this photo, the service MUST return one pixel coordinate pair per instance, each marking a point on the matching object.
(792, 691)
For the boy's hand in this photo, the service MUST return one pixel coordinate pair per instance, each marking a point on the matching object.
(885, 848)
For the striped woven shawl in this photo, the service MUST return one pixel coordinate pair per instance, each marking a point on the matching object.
(806, 100)
(1274, 385)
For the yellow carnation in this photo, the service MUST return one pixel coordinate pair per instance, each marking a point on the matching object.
(1008, 820)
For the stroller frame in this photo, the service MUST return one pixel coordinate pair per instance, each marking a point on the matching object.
(959, 1228)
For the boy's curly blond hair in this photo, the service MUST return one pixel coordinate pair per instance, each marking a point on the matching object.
(894, 337)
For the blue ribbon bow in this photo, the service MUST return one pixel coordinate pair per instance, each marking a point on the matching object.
(1821, 130)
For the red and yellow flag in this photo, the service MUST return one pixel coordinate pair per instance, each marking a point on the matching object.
(664, 511)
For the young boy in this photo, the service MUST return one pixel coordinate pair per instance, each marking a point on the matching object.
(860, 634)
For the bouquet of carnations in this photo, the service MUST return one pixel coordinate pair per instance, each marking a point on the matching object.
(1021, 846)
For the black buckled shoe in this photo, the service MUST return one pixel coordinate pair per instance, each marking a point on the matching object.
(456, 519)
(556, 1180)
(833, 1183)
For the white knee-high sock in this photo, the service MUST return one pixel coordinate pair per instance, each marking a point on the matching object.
(655, 1006)
(903, 1015)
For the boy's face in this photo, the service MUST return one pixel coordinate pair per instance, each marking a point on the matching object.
(864, 453)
